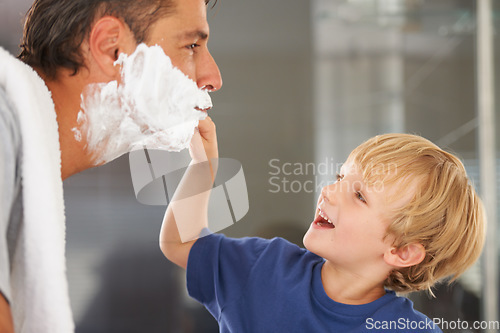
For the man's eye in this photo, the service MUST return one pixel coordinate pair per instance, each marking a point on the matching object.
(192, 46)
(360, 197)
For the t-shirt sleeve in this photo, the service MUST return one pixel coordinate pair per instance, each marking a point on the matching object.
(9, 143)
(218, 269)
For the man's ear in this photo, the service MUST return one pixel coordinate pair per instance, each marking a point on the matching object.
(406, 256)
(110, 37)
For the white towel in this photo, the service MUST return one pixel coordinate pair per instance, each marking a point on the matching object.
(40, 300)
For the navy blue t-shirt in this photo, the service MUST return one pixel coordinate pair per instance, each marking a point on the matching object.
(260, 285)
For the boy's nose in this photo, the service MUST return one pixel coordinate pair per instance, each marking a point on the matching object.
(328, 193)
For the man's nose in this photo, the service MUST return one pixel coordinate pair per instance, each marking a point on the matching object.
(208, 74)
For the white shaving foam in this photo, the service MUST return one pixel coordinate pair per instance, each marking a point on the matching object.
(154, 106)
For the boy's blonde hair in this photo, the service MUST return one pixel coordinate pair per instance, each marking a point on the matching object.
(445, 214)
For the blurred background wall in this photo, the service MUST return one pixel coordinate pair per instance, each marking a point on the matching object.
(305, 81)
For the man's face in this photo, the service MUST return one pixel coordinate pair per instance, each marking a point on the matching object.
(183, 35)
(154, 104)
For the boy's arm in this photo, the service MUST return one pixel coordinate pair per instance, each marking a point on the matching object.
(186, 215)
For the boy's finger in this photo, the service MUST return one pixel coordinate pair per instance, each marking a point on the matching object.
(196, 148)
(206, 127)
(206, 123)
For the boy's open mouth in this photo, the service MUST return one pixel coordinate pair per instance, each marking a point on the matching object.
(323, 221)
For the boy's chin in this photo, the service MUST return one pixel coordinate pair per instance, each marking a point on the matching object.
(308, 240)
(315, 242)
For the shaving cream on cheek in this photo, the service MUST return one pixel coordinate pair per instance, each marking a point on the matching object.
(154, 106)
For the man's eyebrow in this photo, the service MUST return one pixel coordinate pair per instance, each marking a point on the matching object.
(200, 34)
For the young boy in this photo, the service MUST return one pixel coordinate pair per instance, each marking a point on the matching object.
(401, 217)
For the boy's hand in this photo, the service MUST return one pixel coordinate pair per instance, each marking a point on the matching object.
(186, 214)
(203, 146)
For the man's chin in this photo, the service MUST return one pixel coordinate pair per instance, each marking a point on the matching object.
(173, 140)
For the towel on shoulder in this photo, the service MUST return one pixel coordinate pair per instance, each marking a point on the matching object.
(39, 289)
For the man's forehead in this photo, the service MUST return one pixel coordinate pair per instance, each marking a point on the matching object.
(188, 21)
(190, 8)
(193, 34)
(181, 27)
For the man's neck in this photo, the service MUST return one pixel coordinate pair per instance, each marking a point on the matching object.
(66, 90)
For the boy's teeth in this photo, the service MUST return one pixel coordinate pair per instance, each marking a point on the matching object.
(325, 217)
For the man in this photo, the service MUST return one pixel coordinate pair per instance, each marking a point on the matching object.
(71, 44)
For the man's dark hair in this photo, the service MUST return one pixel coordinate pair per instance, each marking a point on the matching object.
(55, 29)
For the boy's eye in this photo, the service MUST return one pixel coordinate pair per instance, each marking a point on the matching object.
(360, 197)
(339, 177)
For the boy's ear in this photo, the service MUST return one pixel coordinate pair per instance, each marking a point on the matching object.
(406, 256)
(110, 37)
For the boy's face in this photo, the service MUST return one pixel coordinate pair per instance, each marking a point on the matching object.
(359, 215)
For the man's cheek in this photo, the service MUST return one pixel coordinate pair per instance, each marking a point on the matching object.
(155, 105)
